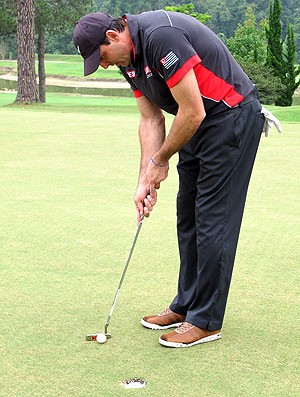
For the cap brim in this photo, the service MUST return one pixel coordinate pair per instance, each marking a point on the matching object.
(92, 63)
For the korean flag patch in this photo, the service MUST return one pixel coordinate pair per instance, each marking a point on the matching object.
(169, 60)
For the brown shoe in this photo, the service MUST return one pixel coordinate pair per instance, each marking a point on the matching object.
(187, 335)
(166, 319)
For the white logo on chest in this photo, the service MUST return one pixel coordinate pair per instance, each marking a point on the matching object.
(148, 72)
(131, 73)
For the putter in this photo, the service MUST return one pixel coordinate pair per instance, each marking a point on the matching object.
(101, 338)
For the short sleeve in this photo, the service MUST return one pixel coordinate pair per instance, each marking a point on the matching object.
(171, 54)
(129, 74)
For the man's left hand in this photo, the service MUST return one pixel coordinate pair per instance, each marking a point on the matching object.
(155, 174)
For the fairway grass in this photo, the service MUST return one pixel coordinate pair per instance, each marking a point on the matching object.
(68, 174)
(67, 66)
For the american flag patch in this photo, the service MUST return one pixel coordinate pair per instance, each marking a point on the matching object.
(169, 60)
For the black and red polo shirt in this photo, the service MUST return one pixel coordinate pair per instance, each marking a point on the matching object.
(166, 45)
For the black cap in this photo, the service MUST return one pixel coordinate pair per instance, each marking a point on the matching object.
(88, 34)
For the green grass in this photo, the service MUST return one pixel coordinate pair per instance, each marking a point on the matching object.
(290, 114)
(68, 66)
(96, 104)
(63, 58)
(75, 104)
(68, 174)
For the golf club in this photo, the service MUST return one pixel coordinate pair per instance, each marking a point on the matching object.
(101, 338)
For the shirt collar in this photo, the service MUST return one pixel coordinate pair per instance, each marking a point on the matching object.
(133, 27)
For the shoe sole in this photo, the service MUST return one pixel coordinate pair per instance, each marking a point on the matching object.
(158, 327)
(209, 338)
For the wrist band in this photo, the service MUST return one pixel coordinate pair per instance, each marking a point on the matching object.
(159, 165)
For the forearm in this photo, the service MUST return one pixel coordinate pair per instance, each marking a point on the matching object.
(152, 136)
(190, 115)
(183, 128)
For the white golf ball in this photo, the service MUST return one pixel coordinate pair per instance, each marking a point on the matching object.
(101, 338)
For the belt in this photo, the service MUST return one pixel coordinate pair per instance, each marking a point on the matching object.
(249, 98)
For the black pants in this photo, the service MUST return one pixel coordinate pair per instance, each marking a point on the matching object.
(214, 171)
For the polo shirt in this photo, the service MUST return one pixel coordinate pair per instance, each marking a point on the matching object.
(167, 45)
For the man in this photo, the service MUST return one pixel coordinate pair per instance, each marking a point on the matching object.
(176, 64)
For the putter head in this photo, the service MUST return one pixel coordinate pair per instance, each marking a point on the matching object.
(91, 337)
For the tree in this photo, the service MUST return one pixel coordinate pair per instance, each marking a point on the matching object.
(296, 29)
(279, 58)
(7, 21)
(189, 9)
(269, 87)
(25, 43)
(8, 28)
(291, 70)
(222, 17)
(275, 43)
(249, 48)
(249, 41)
(120, 7)
(54, 16)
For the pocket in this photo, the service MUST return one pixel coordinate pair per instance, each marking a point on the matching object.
(260, 120)
(238, 124)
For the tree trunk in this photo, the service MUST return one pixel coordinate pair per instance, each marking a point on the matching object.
(41, 58)
(27, 91)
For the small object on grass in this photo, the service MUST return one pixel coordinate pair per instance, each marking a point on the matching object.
(134, 383)
(101, 338)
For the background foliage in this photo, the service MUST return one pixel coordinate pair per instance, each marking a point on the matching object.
(241, 24)
(225, 14)
(225, 17)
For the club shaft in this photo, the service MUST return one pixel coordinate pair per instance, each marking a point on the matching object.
(123, 274)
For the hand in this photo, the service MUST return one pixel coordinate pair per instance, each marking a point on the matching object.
(144, 202)
(155, 174)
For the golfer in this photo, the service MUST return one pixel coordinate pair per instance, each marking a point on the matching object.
(177, 65)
